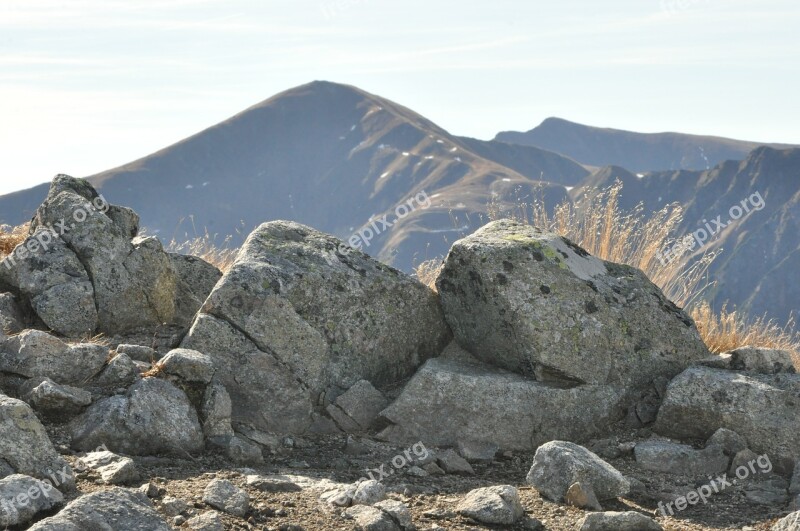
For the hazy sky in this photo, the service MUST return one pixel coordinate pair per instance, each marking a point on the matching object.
(86, 85)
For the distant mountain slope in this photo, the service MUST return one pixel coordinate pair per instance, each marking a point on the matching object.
(330, 156)
(758, 269)
(637, 152)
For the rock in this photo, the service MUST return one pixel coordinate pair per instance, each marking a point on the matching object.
(794, 488)
(605, 448)
(23, 497)
(558, 464)
(216, 412)
(188, 366)
(478, 452)
(120, 372)
(154, 417)
(115, 508)
(432, 469)
(138, 353)
(133, 279)
(358, 408)
(769, 492)
(371, 519)
(536, 304)
(789, 523)
(731, 442)
(113, 469)
(173, 507)
(223, 495)
(674, 458)
(12, 320)
(53, 281)
(471, 401)
(34, 353)
(25, 447)
(582, 497)
(340, 322)
(492, 505)
(716, 361)
(452, 463)
(399, 512)
(208, 521)
(616, 521)
(273, 484)
(239, 450)
(742, 462)
(195, 280)
(50, 398)
(795, 503)
(762, 360)
(149, 489)
(369, 492)
(760, 408)
(341, 496)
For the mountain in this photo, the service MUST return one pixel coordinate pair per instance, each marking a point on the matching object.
(333, 157)
(758, 268)
(638, 152)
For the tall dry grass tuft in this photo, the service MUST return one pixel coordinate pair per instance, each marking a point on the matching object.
(10, 237)
(428, 271)
(730, 330)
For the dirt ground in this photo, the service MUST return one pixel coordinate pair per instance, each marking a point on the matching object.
(431, 499)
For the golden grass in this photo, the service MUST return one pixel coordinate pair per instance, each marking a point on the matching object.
(729, 330)
(222, 257)
(596, 223)
(10, 237)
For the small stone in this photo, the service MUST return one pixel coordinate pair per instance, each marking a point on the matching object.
(371, 519)
(492, 505)
(369, 492)
(582, 497)
(223, 495)
(478, 452)
(39, 497)
(208, 521)
(399, 512)
(188, 365)
(618, 521)
(452, 463)
(674, 458)
(732, 443)
(173, 506)
(418, 472)
(433, 469)
(113, 469)
(138, 353)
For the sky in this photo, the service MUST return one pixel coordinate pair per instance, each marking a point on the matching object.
(88, 85)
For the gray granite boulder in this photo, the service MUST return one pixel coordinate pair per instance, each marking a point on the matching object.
(154, 417)
(23, 497)
(116, 508)
(290, 329)
(25, 447)
(761, 408)
(538, 305)
(498, 505)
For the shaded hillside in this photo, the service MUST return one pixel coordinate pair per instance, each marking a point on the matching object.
(757, 270)
(637, 152)
(330, 156)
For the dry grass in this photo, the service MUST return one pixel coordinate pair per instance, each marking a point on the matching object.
(10, 237)
(729, 330)
(597, 224)
(204, 246)
(428, 271)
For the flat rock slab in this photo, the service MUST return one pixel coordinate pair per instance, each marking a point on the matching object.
(761, 408)
(116, 508)
(674, 458)
(450, 401)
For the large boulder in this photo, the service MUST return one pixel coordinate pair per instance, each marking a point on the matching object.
(154, 417)
(25, 447)
(536, 304)
(761, 408)
(196, 278)
(451, 401)
(50, 277)
(116, 508)
(34, 353)
(134, 282)
(300, 318)
(23, 497)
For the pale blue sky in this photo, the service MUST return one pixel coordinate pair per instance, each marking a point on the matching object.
(86, 85)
